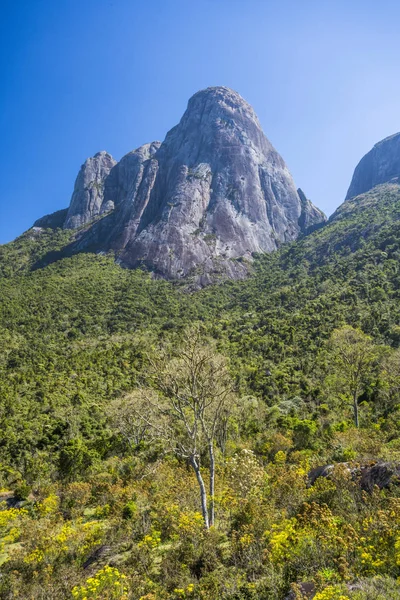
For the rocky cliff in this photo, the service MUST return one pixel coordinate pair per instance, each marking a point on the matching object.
(380, 165)
(214, 192)
(87, 199)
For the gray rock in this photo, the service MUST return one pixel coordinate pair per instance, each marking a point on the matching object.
(311, 217)
(124, 178)
(221, 192)
(307, 590)
(380, 474)
(199, 204)
(99, 556)
(53, 221)
(380, 165)
(87, 198)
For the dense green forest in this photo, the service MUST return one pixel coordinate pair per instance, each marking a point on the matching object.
(157, 441)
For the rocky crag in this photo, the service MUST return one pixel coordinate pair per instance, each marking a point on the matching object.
(199, 204)
(380, 165)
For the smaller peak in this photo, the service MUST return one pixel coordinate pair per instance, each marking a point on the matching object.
(222, 98)
(145, 151)
(302, 195)
(387, 139)
(102, 159)
(102, 153)
(379, 165)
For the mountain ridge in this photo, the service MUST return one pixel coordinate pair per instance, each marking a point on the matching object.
(380, 165)
(113, 211)
(213, 192)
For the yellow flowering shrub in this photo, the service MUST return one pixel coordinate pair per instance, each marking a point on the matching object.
(10, 530)
(280, 457)
(190, 523)
(186, 592)
(106, 584)
(48, 506)
(34, 557)
(281, 540)
(315, 526)
(151, 540)
(49, 543)
(332, 592)
(378, 550)
(91, 534)
(11, 514)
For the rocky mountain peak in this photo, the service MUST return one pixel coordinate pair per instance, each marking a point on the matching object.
(200, 203)
(379, 165)
(214, 118)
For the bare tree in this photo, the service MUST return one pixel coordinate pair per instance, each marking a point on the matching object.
(390, 392)
(354, 357)
(187, 404)
(121, 412)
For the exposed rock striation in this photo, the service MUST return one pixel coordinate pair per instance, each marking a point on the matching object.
(200, 204)
(87, 199)
(380, 165)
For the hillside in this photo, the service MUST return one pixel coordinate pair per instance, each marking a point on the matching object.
(80, 335)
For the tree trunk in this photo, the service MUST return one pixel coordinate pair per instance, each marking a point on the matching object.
(355, 407)
(212, 483)
(203, 493)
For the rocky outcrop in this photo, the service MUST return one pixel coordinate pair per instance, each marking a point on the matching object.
(380, 474)
(199, 204)
(53, 221)
(311, 217)
(380, 165)
(125, 176)
(305, 590)
(87, 199)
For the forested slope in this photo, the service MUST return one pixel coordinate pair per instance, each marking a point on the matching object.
(81, 337)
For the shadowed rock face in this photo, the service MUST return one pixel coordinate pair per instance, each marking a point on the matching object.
(213, 192)
(311, 216)
(380, 165)
(52, 221)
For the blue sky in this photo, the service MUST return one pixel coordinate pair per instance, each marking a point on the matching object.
(83, 76)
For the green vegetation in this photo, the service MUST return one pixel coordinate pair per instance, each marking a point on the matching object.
(120, 395)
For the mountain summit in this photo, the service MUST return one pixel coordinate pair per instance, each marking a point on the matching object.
(380, 165)
(213, 192)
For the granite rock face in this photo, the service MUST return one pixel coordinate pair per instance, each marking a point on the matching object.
(311, 216)
(221, 192)
(380, 165)
(199, 204)
(87, 199)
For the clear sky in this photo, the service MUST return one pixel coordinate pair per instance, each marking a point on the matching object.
(79, 76)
